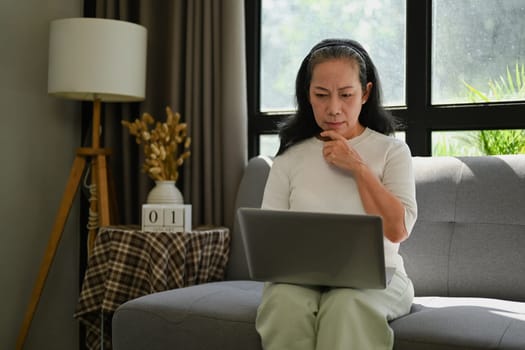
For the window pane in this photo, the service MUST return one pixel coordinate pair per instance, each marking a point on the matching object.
(478, 51)
(289, 28)
(478, 142)
(401, 135)
(268, 145)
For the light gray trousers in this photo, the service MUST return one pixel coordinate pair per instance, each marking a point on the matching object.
(294, 317)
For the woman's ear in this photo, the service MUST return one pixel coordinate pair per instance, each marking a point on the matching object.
(366, 93)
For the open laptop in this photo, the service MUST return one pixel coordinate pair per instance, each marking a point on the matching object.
(307, 248)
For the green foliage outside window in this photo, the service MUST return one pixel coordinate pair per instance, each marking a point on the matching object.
(510, 86)
(474, 143)
(493, 142)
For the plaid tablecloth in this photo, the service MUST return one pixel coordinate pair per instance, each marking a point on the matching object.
(127, 263)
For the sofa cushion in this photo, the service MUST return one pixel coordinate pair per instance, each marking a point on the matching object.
(219, 315)
(461, 323)
(467, 244)
(470, 232)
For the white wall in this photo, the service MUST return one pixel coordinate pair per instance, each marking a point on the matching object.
(38, 138)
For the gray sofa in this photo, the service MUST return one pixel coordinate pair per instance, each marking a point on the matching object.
(466, 257)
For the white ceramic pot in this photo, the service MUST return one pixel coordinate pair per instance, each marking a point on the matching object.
(165, 192)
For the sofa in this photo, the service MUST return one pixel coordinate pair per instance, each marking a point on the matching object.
(465, 256)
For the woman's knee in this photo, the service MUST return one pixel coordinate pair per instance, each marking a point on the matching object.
(289, 296)
(337, 296)
(283, 305)
(347, 300)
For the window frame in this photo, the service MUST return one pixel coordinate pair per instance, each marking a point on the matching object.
(419, 116)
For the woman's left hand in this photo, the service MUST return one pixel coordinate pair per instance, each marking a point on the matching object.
(336, 151)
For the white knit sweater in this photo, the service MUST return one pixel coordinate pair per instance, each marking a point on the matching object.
(300, 179)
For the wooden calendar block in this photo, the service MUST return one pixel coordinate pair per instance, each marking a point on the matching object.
(166, 217)
(173, 216)
(152, 216)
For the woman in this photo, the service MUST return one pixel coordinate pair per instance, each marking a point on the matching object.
(337, 155)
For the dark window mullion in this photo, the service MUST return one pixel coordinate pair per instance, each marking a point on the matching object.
(475, 117)
(252, 41)
(418, 76)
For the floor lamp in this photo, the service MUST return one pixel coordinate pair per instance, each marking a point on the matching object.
(99, 60)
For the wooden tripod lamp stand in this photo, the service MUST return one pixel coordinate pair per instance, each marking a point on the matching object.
(99, 60)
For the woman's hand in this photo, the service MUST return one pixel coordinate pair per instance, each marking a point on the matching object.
(336, 151)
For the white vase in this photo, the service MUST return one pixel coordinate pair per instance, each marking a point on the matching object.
(165, 192)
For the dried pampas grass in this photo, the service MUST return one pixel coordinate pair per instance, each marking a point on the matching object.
(166, 145)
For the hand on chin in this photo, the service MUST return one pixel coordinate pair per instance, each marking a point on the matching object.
(332, 135)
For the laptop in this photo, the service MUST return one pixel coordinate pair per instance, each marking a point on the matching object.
(318, 249)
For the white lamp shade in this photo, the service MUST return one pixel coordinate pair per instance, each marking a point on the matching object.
(93, 58)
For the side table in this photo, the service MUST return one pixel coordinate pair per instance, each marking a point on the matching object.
(127, 263)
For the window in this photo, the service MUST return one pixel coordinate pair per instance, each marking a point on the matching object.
(269, 144)
(447, 66)
(290, 28)
(478, 51)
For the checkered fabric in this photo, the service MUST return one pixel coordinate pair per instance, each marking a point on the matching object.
(127, 263)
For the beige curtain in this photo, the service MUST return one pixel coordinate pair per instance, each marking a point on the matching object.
(196, 65)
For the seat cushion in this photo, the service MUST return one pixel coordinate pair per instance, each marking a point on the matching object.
(461, 323)
(219, 315)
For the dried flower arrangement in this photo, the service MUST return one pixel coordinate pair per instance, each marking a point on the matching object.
(166, 145)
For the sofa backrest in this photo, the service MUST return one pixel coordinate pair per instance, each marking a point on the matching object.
(249, 194)
(469, 238)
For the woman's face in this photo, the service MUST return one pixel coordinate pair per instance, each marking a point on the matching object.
(336, 96)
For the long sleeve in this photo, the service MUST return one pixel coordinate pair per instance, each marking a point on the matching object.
(277, 190)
